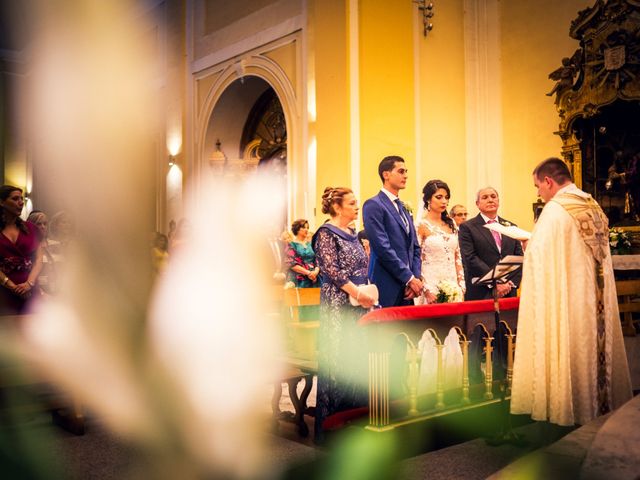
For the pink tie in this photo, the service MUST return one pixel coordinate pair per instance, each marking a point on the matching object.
(496, 235)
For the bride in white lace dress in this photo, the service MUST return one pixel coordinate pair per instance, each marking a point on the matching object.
(438, 238)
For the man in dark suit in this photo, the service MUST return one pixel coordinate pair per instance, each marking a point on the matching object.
(482, 248)
(394, 265)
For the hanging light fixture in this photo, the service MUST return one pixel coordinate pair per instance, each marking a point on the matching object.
(427, 14)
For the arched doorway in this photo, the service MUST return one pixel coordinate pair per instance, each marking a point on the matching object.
(246, 129)
(225, 95)
(247, 133)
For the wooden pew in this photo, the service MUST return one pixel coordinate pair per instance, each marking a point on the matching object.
(300, 362)
(629, 303)
(303, 335)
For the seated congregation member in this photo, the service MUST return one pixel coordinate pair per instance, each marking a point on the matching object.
(61, 232)
(276, 256)
(482, 248)
(459, 214)
(159, 253)
(438, 236)
(61, 235)
(300, 259)
(47, 278)
(342, 362)
(181, 237)
(20, 254)
(362, 236)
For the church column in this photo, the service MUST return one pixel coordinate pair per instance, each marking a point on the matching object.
(483, 95)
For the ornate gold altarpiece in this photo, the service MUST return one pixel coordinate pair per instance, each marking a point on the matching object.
(597, 94)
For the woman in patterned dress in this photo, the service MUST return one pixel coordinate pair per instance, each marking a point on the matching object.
(342, 365)
(438, 236)
(303, 270)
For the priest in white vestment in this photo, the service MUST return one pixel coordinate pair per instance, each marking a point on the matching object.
(570, 363)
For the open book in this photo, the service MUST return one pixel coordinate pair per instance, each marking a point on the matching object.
(501, 272)
(510, 231)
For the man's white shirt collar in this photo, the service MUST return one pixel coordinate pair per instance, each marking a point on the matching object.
(487, 219)
(391, 196)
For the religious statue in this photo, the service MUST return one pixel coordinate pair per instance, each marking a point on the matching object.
(564, 75)
(629, 177)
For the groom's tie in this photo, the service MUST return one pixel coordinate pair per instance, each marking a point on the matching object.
(405, 222)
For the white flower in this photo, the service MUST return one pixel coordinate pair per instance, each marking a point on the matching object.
(618, 238)
(449, 292)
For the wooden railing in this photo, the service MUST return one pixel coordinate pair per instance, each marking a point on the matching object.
(629, 293)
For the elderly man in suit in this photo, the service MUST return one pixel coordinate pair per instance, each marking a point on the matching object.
(394, 265)
(482, 248)
(459, 214)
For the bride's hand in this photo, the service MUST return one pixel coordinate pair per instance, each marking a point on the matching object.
(429, 297)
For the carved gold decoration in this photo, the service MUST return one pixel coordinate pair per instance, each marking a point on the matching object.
(379, 389)
(414, 373)
(607, 67)
(488, 370)
(464, 345)
(440, 370)
(510, 351)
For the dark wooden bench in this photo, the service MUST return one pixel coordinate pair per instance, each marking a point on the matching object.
(300, 360)
(629, 303)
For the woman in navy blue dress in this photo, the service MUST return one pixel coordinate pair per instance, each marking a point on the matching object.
(342, 365)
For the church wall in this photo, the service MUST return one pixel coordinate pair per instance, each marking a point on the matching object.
(535, 37)
(329, 74)
(387, 107)
(171, 48)
(220, 24)
(413, 94)
(15, 151)
(221, 13)
(441, 96)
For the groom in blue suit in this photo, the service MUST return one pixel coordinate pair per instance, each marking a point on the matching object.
(394, 265)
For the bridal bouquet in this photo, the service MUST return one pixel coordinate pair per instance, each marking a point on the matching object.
(619, 241)
(448, 292)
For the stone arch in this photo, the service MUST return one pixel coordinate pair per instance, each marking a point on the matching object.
(266, 69)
